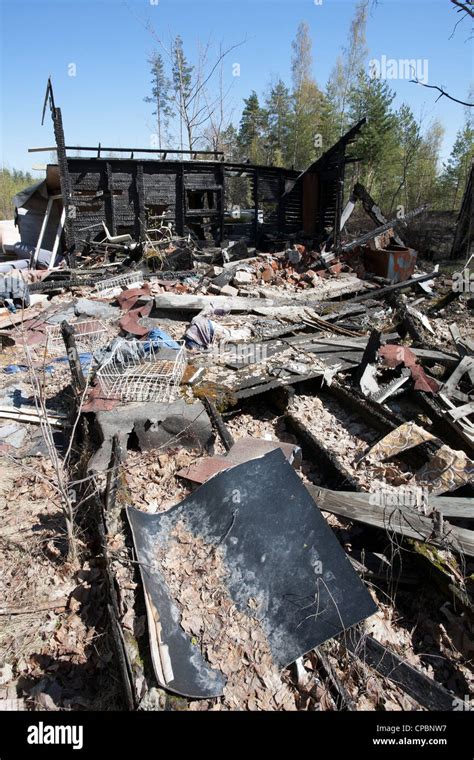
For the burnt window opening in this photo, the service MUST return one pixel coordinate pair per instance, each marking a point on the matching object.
(201, 200)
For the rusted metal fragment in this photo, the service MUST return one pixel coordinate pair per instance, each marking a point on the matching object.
(97, 402)
(242, 451)
(131, 321)
(204, 469)
(128, 301)
(393, 356)
(396, 265)
(128, 298)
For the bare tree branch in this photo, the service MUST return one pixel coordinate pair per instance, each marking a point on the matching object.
(466, 7)
(443, 93)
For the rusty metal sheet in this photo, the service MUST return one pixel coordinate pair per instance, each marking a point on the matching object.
(394, 265)
(243, 450)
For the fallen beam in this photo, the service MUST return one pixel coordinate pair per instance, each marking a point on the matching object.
(31, 418)
(315, 450)
(271, 385)
(400, 520)
(424, 690)
(390, 288)
(443, 426)
(449, 506)
(219, 424)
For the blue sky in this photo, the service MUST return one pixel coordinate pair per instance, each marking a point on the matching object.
(107, 42)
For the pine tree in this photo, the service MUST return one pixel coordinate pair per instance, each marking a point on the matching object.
(11, 182)
(427, 167)
(377, 143)
(278, 123)
(251, 130)
(402, 172)
(328, 122)
(458, 165)
(160, 95)
(230, 143)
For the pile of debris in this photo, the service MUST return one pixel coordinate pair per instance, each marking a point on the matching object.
(205, 383)
(258, 464)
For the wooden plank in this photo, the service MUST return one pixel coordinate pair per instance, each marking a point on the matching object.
(382, 292)
(404, 522)
(187, 302)
(459, 412)
(465, 365)
(271, 385)
(30, 418)
(437, 356)
(453, 506)
(449, 506)
(11, 320)
(424, 690)
(78, 380)
(32, 410)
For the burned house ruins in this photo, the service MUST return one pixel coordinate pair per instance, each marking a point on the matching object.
(193, 191)
(261, 421)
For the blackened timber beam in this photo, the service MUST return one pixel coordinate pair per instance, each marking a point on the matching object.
(443, 426)
(339, 203)
(370, 354)
(422, 689)
(316, 451)
(264, 387)
(217, 154)
(334, 679)
(112, 486)
(442, 302)
(72, 354)
(380, 418)
(221, 202)
(109, 200)
(281, 204)
(407, 322)
(371, 208)
(382, 292)
(65, 183)
(140, 197)
(113, 611)
(219, 424)
(255, 204)
(180, 201)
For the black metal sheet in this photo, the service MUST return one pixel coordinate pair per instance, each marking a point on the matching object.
(277, 548)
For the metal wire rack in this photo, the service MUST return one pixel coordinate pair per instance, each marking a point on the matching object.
(89, 335)
(153, 377)
(113, 285)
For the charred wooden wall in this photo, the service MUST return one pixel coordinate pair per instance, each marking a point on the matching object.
(191, 194)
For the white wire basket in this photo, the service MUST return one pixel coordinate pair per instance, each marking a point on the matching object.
(154, 377)
(113, 285)
(89, 336)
